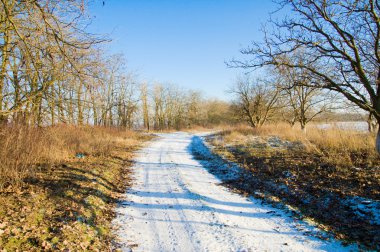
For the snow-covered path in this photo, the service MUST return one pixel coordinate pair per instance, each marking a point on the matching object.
(175, 204)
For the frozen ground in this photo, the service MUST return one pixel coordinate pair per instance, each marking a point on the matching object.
(175, 204)
(360, 125)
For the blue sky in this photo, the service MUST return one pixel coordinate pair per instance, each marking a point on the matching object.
(183, 42)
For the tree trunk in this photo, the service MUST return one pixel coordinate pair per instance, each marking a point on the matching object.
(16, 85)
(4, 62)
(378, 141)
(378, 135)
(370, 126)
(303, 126)
(144, 98)
(60, 108)
(38, 110)
(251, 121)
(79, 105)
(291, 121)
(51, 102)
(371, 122)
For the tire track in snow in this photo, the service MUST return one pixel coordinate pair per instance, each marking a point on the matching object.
(217, 227)
(182, 217)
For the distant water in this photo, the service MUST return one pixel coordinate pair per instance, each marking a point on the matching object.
(360, 126)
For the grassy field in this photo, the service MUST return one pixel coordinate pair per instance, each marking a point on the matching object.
(59, 186)
(332, 176)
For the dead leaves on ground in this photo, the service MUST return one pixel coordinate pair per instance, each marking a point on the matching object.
(68, 207)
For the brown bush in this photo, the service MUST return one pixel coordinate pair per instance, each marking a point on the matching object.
(25, 149)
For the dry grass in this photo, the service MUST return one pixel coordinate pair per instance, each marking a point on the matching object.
(319, 172)
(24, 150)
(339, 147)
(54, 201)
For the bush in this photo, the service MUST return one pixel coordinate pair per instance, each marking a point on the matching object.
(25, 149)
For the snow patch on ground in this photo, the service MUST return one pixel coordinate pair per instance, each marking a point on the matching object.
(365, 208)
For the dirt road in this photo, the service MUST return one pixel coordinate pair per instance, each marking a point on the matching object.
(175, 204)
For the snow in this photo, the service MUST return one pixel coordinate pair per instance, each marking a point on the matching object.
(175, 204)
(367, 208)
(359, 125)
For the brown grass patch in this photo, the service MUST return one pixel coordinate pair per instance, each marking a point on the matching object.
(342, 148)
(25, 150)
(320, 172)
(51, 199)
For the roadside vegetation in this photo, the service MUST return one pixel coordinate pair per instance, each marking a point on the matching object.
(329, 175)
(59, 186)
(65, 146)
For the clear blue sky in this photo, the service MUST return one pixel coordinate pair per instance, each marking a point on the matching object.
(184, 42)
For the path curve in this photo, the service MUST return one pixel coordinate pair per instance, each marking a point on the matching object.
(175, 204)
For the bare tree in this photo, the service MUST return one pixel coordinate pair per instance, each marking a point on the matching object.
(127, 102)
(194, 104)
(217, 112)
(38, 38)
(340, 42)
(256, 100)
(145, 105)
(158, 101)
(303, 100)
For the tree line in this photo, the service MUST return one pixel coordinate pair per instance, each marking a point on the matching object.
(47, 61)
(283, 95)
(52, 71)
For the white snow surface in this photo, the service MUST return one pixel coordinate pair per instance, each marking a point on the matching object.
(175, 204)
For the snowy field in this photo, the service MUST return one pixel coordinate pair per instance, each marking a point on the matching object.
(175, 204)
(360, 126)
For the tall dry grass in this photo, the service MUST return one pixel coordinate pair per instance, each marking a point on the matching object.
(341, 147)
(23, 149)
